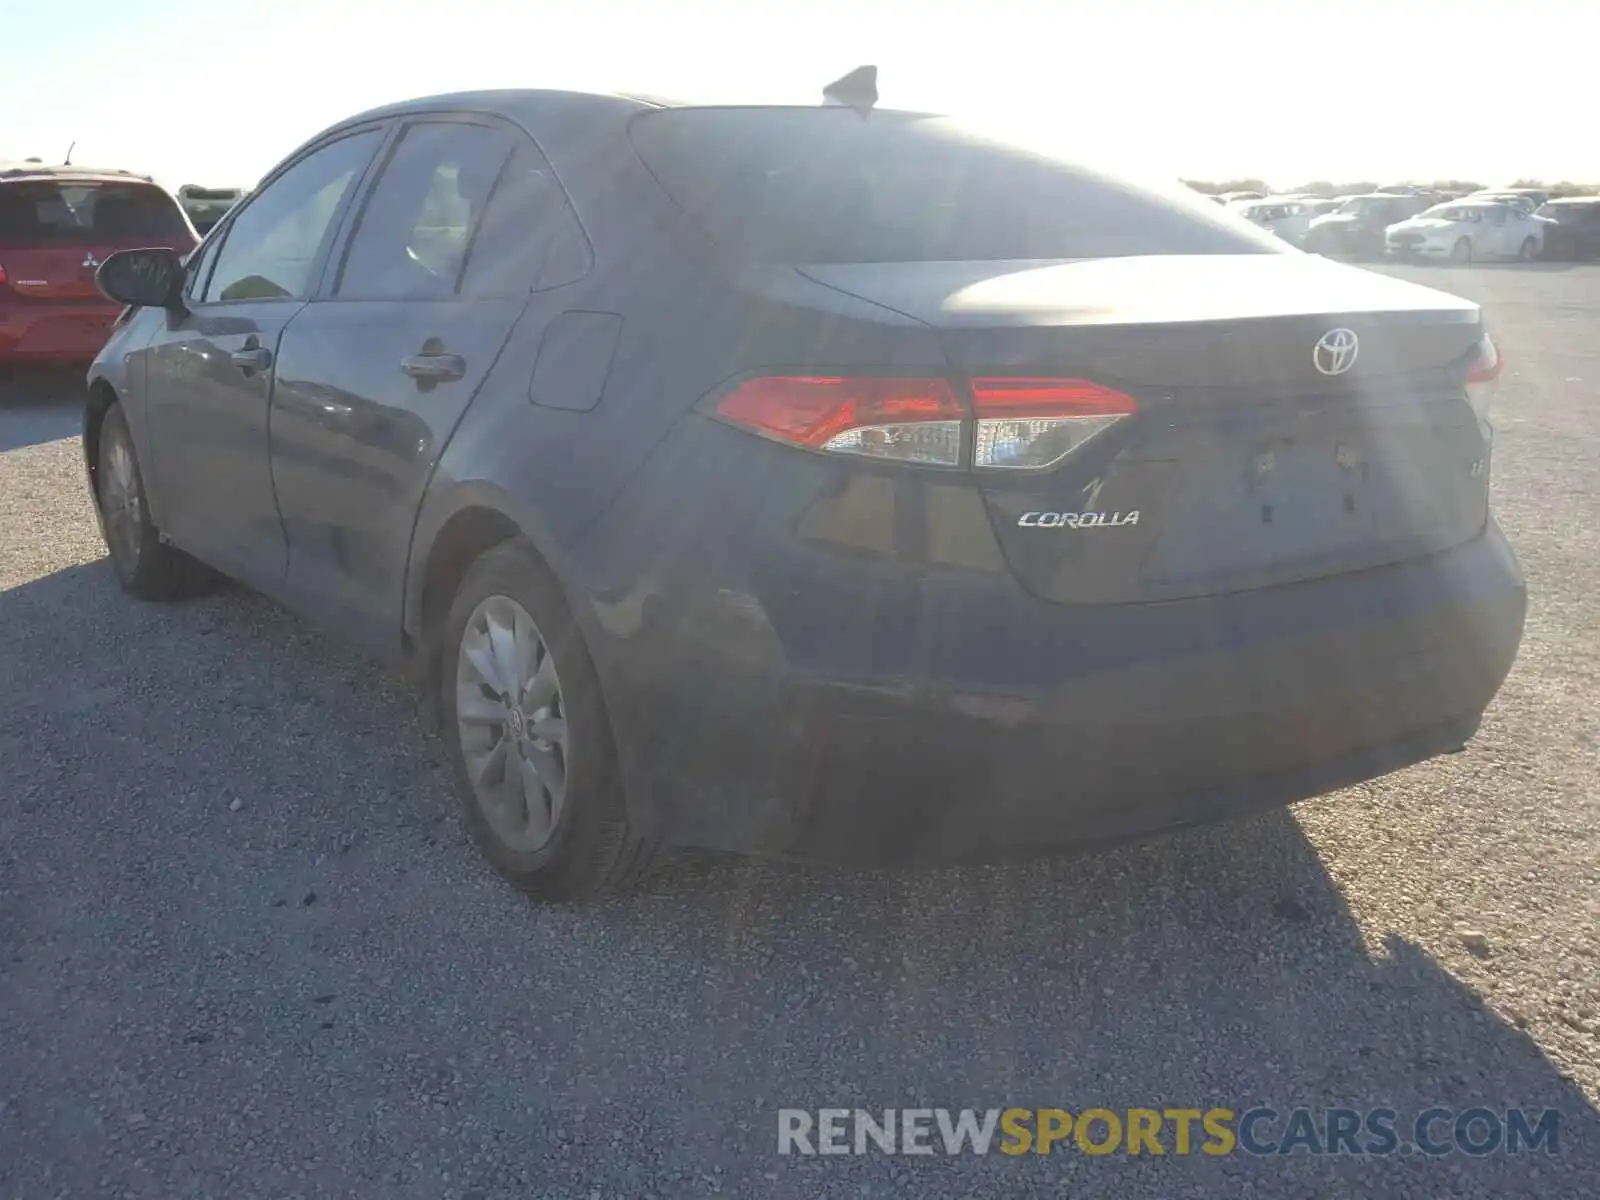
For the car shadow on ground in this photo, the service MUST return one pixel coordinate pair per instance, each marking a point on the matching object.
(1217, 968)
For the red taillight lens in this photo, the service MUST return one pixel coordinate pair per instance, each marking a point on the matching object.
(2, 274)
(909, 420)
(1032, 423)
(1486, 363)
(1482, 374)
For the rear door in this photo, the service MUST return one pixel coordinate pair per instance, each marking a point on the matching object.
(1501, 231)
(374, 375)
(210, 368)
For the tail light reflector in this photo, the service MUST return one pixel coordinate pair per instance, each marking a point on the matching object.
(1030, 423)
(1482, 375)
(906, 420)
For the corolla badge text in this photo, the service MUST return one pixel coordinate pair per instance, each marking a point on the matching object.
(1072, 520)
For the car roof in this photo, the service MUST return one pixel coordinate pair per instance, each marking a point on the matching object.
(557, 102)
(551, 115)
(15, 172)
(506, 99)
(1574, 200)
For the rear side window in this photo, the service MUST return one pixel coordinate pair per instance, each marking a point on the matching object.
(823, 185)
(529, 237)
(45, 213)
(412, 240)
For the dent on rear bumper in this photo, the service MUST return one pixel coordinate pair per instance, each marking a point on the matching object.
(1193, 711)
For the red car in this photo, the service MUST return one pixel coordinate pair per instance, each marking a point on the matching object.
(56, 226)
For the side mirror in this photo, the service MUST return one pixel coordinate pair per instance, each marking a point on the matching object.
(142, 278)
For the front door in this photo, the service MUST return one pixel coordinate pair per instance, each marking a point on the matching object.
(373, 376)
(211, 366)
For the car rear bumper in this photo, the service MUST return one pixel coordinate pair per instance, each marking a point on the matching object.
(68, 332)
(1158, 716)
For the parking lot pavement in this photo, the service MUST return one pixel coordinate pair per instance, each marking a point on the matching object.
(246, 950)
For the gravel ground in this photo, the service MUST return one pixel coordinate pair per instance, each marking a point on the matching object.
(246, 950)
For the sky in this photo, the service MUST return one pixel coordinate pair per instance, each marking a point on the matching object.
(216, 93)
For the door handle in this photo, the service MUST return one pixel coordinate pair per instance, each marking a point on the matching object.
(434, 368)
(252, 358)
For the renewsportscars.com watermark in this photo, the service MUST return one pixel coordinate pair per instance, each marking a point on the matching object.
(1260, 1131)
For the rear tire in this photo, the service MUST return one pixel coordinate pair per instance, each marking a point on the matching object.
(1461, 252)
(146, 566)
(548, 812)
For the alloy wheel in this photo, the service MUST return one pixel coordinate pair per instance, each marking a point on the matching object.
(512, 723)
(121, 503)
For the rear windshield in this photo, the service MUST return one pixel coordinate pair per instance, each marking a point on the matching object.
(46, 213)
(1572, 210)
(825, 185)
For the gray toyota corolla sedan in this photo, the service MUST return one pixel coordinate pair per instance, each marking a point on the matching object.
(827, 482)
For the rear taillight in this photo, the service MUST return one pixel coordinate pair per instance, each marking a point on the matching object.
(1021, 423)
(908, 420)
(2, 274)
(1028, 424)
(1483, 373)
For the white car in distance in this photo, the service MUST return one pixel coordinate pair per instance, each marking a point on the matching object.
(1286, 216)
(1466, 230)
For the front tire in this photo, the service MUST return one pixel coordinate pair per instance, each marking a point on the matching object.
(531, 747)
(1461, 252)
(1529, 250)
(146, 566)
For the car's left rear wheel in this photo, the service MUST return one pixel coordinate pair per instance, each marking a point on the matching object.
(535, 764)
(146, 566)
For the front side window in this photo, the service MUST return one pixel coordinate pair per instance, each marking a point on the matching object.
(195, 268)
(271, 247)
(414, 233)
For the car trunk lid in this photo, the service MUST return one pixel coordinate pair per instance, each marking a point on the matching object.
(1253, 459)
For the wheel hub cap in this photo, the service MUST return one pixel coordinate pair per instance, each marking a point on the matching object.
(120, 501)
(512, 725)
